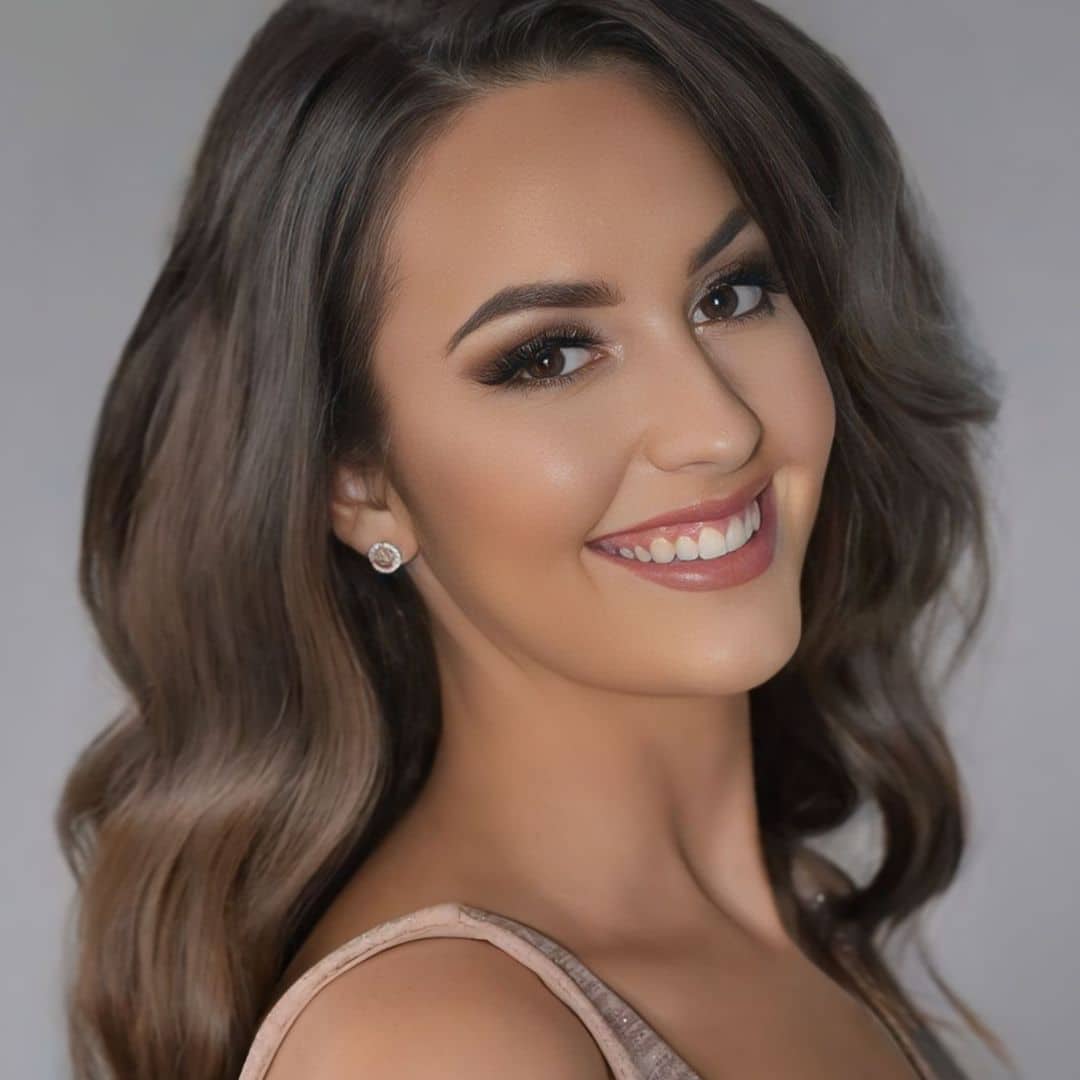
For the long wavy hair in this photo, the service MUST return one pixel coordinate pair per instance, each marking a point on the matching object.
(282, 705)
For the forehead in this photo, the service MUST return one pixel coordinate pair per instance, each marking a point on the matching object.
(588, 174)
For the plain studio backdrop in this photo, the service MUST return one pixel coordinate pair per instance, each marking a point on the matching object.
(102, 103)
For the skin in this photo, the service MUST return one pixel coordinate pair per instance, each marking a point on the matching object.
(594, 777)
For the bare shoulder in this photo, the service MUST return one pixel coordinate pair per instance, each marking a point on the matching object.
(438, 1007)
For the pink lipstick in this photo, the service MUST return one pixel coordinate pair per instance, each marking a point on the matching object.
(724, 571)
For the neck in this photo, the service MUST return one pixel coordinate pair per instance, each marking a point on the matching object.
(626, 814)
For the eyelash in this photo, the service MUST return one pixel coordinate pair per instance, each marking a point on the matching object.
(756, 270)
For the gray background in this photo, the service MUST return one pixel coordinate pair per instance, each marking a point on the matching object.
(101, 102)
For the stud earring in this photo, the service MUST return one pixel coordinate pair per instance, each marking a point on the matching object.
(384, 556)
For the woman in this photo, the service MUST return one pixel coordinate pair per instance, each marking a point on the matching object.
(463, 297)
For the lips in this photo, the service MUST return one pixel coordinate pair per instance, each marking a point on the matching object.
(699, 513)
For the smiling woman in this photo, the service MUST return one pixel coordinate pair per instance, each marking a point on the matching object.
(515, 516)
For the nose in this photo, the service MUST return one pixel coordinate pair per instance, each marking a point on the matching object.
(694, 414)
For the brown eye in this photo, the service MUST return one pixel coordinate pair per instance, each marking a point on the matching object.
(723, 301)
(552, 361)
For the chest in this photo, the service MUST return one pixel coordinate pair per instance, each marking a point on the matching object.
(792, 1022)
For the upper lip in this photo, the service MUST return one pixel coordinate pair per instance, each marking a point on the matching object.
(706, 510)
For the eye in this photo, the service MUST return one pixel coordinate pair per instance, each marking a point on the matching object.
(742, 291)
(727, 301)
(551, 359)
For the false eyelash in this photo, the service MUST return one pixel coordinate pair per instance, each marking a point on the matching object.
(754, 269)
(507, 366)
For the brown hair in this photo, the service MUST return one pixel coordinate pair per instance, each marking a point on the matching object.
(283, 696)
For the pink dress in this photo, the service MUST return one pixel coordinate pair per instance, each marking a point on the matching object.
(632, 1049)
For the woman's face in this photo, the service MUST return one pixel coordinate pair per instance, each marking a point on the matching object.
(679, 396)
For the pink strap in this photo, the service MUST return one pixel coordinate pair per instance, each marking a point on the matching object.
(439, 920)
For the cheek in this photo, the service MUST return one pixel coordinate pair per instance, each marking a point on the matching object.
(504, 490)
(802, 410)
(775, 370)
(798, 415)
(499, 484)
(780, 374)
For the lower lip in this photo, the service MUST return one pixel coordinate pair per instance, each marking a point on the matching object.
(751, 560)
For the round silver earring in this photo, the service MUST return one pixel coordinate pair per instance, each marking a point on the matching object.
(384, 556)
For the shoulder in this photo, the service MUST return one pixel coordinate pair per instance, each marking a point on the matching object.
(438, 1007)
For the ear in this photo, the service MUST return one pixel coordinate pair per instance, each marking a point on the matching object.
(360, 515)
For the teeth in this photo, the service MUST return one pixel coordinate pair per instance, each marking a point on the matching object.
(663, 550)
(711, 542)
(686, 548)
(736, 534)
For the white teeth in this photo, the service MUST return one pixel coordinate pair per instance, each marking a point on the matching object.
(662, 550)
(711, 542)
(686, 548)
(736, 534)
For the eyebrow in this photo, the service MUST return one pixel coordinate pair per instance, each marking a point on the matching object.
(574, 294)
